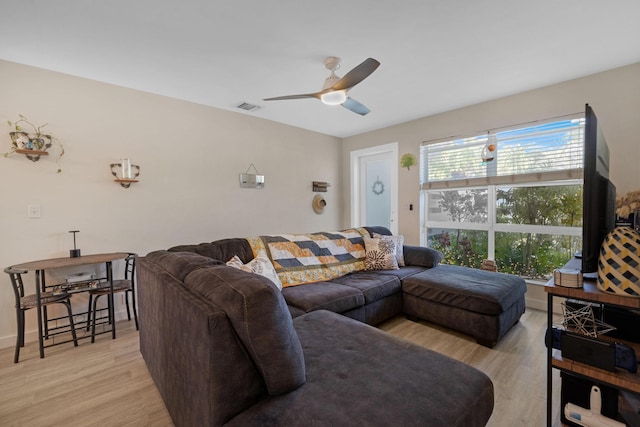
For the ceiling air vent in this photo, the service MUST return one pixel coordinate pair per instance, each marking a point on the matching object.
(247, 107)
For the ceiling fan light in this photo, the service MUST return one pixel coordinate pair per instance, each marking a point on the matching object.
(336, 97)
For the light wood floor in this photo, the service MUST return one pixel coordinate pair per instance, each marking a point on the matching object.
(107, 383)
(517, 365)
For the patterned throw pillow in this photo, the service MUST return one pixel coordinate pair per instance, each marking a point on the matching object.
(261, 265)
(399, 239)
(381, 254)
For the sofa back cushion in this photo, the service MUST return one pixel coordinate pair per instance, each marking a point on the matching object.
(378, 229)
(421, 256)
(259, 315)
(179, 265)
(222, 250)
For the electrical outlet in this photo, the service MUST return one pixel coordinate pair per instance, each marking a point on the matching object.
(33, 211)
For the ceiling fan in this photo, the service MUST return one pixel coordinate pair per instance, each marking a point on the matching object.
(334, 91)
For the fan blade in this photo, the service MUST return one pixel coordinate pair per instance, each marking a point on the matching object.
(358, 74)
(355, 106)
(301, 96)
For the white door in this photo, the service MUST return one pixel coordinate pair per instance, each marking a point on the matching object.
(374, 188)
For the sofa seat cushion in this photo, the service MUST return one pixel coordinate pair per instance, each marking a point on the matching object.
(358, 375)
(373, 285)
(323, 296)
(479, 291)
(260, 318)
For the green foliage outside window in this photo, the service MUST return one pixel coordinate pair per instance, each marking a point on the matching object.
(555, 205)
(461, 247)
(536, 255)
(528, 254)
(533, 256)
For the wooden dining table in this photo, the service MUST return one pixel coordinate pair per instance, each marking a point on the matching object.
(41, 266)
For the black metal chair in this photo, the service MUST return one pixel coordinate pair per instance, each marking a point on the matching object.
(27, 302)
(126, 285)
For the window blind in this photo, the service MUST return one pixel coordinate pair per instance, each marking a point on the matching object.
(544, 151)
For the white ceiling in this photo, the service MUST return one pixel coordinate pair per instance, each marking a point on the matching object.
(436, 55)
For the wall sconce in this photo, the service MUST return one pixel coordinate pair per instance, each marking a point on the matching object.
(128, 172)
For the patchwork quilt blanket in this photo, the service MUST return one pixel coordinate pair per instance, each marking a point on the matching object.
(308, 258)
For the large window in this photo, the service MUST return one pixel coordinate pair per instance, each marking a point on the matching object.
(513, 195)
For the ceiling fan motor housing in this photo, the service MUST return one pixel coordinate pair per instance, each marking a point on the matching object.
(332, 63)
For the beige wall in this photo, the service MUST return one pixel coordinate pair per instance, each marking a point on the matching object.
(614, 96)
(188, 192)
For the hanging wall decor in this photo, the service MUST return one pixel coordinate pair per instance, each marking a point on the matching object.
(249, 180)
(320, 186)
(32, 142)
(129, 172)
(488, 153)
(318, 203)
(407, 160)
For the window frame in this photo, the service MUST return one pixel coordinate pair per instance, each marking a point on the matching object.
(572, 176)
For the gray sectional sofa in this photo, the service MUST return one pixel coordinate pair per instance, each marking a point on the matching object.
(227, 347)
(480, 303)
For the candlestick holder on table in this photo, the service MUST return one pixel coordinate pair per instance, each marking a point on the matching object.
(74, 253)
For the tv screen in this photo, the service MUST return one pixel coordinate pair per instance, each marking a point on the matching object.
(598, 193)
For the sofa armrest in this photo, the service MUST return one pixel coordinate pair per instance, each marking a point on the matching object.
(422, 256)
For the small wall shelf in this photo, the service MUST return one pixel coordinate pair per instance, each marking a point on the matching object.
(33, 155)
(33, 152)
(125, 182)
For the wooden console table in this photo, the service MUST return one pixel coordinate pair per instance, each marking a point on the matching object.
(50, 264)
(590, 293)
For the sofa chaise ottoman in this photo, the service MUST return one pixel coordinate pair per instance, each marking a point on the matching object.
(480, 303)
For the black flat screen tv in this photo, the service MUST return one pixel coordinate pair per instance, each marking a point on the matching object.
(598, 194)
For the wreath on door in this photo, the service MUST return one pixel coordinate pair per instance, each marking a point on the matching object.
(378, 187)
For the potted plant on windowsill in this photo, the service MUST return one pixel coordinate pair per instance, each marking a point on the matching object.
(32, 144)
